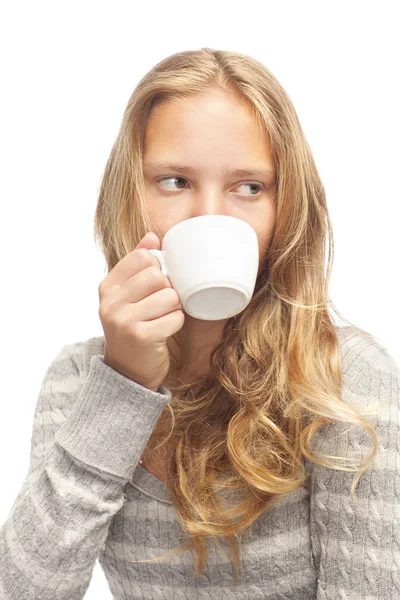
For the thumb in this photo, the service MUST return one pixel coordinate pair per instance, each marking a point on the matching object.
(150, 241)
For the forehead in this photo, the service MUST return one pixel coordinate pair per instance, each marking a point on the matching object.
(212, 106)
(215, 125)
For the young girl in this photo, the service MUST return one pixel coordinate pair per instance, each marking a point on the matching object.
(190, 456)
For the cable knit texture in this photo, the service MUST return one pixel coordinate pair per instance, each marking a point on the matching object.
(86, 498)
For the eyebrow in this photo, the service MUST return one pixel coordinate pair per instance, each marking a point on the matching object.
(225, 171)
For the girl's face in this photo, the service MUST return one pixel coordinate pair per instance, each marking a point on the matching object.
(201, 141)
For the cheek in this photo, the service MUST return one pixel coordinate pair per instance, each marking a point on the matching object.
(264, 236)
(158, 218)
(265, 232)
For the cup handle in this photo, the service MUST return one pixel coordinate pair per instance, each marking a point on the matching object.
(159, 254)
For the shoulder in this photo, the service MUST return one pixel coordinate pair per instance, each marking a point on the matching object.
(371, 384)
(357, 343)
(366, 363)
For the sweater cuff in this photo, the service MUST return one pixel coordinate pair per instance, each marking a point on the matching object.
(111, 420)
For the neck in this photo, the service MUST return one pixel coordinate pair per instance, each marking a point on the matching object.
(199, 338)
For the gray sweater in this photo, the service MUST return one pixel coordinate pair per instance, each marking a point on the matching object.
(86, 498)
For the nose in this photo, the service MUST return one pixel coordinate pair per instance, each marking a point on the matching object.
(210, 202)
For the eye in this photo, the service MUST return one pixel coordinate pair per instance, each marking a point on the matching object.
(253, 185)
(181, 184)
(177, 177)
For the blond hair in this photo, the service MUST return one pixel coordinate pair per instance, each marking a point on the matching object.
(275, 377)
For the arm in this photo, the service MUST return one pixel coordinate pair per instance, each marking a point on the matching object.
(88, 435)
(356, 547)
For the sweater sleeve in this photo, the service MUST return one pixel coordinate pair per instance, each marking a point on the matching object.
(88, 435)
(356, 547)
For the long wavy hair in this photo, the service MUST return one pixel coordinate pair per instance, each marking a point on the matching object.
(274, 379)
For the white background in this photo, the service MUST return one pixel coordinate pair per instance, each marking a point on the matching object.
(67, 71)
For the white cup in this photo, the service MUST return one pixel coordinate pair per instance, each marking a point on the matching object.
(212, 264)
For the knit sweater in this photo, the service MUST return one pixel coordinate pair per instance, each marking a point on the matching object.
(87, 498)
